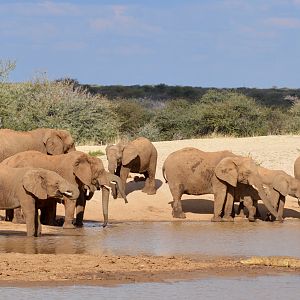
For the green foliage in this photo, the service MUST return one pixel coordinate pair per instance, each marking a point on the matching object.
(230, 113)
(96, 153)
(132, 116)
(191, 113)
(43, 103)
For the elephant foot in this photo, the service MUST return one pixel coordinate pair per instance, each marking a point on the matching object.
(251, 219)
(78, 224)
(227, 219)
(216, 219)
(149, 191)
(240, 216)
(18, 221)
(178, 214)
(68, 226)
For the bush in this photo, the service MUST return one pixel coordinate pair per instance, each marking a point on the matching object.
(43, 103)
(132, 116)
(230, 113)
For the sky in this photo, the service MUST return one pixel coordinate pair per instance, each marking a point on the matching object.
(209, 43)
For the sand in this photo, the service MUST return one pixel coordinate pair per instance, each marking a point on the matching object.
(275, 152)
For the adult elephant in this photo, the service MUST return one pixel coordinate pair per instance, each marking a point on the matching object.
(45, 140)
(195, 172)
(279, 184)
(28, 188)
(137, 156)
(79, 168)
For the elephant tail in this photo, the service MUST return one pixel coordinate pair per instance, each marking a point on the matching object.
(164, 174)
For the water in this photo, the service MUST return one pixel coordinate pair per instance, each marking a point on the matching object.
(165, 238)
(261, 287)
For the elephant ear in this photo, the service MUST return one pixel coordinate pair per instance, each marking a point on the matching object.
(226, 170)
(34, 183)
(281, 185)
(53, 143)
(129, 154)
(82, 170)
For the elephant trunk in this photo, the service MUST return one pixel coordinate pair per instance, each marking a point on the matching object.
(105, 200)
(117, 186)
(264, 197)
(112, 167)
(69, 190)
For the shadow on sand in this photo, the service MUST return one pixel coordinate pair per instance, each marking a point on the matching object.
(139, 183)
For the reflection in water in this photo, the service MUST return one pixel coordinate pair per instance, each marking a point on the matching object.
(263, 287)
(165, 238)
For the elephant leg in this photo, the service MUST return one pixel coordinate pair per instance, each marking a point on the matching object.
(80, 207)
(123, 176)
(9, 215)
(220, 191)
(32, 218)
(241, 209)
(229, 208)
(150, 187)
(18, 216)
(48, 213)
(176, 192)
(248, 202)
(69, 213)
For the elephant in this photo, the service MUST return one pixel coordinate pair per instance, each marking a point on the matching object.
(28, 188)
(137, 156)
(45, 140)
(195, 172)
(279, 184)
(297, 171)
(78, 168)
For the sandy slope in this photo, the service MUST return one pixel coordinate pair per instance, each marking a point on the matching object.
(276, 152)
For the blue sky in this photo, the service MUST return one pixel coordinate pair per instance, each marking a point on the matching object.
(221, 43)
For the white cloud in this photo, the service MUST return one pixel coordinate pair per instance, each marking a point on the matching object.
(118, 20)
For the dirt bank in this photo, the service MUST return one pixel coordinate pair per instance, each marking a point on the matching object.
(50, 269)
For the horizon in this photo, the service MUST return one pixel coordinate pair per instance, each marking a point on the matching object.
(208, 44)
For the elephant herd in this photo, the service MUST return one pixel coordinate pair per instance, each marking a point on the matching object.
(40, 168)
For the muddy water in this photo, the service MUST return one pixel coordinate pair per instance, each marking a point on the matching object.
(262, 287)
(165, 238)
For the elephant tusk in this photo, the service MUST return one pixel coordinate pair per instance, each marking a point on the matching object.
(68, 194)
(87, 192)
(255, 187)
(113, 182)
(106, 186)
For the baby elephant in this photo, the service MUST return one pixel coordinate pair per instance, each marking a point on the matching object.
(28, 188)
(138, 156)
(279, 184)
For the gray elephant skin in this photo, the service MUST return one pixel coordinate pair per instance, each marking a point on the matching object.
(279, 184)
(78, 168)
(195, 172)
(45, 140)
(137, 156)
(28, 188)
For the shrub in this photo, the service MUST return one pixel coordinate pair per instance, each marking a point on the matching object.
(43, 103)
